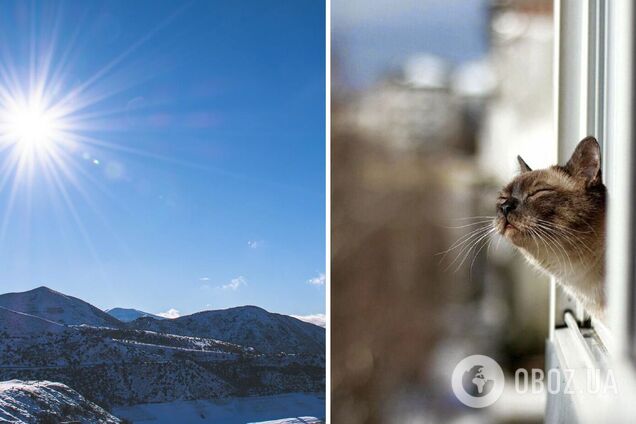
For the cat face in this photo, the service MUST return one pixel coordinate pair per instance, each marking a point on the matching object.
(554, 207)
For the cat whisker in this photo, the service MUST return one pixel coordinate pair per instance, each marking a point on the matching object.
(571, 243)
(472, 246)
(553, 242)
(559, 246)
(562, 228)
(464, 244)
(591, 231)
(547, 242)
(573, 240)
(469, 225)
(464, 239)
(487, 243)
(474, 217)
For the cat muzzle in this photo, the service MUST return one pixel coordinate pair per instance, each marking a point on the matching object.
(508, 206)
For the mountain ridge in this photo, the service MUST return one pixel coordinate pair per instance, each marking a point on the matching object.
(241, 351)
(58, 307)
(248, 325)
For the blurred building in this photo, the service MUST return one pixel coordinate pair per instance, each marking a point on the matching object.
(428, 107)
(414, 157)
(519, 118)
(413, 111)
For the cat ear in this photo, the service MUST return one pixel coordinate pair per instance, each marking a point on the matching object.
(523, 165)
(586, 161)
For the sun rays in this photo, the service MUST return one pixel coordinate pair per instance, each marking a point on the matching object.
(38, 149)
(31, 132)
(54, 133)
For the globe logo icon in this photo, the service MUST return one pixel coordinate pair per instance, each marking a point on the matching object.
(478, 381)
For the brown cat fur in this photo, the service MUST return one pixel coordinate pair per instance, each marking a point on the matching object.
(556, 218)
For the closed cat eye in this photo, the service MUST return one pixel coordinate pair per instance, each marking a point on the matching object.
(542, 190)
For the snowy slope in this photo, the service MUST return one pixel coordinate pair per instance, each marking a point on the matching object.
(299, 420)
(44, 401)
(45, 303)
(14, 323)
(120, 365)
(238, 410)
(248, 326)
(129, 314)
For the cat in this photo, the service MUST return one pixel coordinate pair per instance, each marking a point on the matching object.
(556, 218)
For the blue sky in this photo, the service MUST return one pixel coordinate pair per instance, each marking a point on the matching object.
(191, 174)
(371, 38)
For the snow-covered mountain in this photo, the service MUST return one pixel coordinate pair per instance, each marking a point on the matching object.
(50, 305)
(47, 402)
(129, 314)
(60, 338)
(247, 326)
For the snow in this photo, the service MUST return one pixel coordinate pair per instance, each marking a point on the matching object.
(299, 420)
(39, 401)
(122, 367)
(249, 326)
(316, 319)
(21, 324)
(228, 357)
(290, 408)
(129, 314)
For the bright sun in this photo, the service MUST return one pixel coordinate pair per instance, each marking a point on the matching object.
(37, 134)
(31, 127)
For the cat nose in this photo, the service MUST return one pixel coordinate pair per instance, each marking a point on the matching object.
(508, 206)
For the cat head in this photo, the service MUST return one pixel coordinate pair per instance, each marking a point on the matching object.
(556, 205)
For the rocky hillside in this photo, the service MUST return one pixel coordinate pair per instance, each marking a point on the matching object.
(175, 360)
(249, 326)
(47, 402)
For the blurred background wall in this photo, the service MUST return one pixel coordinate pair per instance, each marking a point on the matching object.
(431, 102)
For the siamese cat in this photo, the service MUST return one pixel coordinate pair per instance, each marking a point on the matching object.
(556, 218)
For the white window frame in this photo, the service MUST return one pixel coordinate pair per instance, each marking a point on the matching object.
(593, 92)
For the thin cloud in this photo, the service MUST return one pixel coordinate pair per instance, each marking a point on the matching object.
(204, 279)
(170, 314)
(316, 319)
(317, 281)
(235, 283)
(255, 244)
